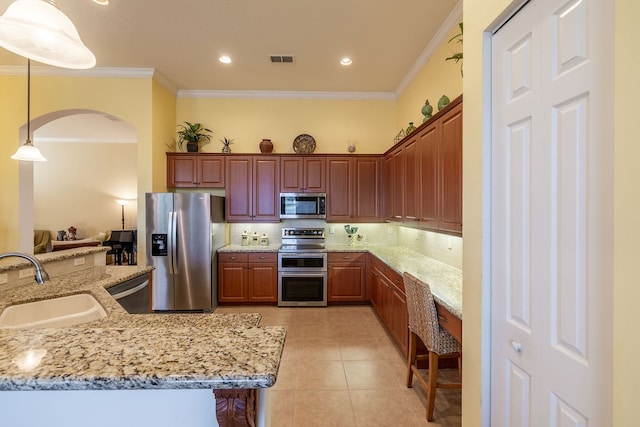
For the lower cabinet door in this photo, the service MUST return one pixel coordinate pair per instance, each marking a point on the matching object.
(232, 283)
(346, 283)
(263, 283)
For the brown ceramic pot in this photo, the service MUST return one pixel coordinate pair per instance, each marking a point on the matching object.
(266, 146)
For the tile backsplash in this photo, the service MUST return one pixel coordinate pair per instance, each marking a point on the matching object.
(444, 248)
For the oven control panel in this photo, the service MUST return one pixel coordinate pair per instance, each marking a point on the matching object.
(317, 233)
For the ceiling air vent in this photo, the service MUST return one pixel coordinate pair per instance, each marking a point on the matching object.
(282, 59)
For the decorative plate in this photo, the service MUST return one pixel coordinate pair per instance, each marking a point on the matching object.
(304, 144)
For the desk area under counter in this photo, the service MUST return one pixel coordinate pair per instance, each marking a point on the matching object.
(385, 289)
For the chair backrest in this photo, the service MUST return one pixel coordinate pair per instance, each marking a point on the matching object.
(423, 318)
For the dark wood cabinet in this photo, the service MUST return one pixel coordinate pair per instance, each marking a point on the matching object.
(393, 185)
(428, 176)
(450, 171)
(346, 277)
(423, 174)
(388, 298)
(353, 189)
(302, 174)
(252, 191)
(245, 277)
(191, 170)
(232, 277)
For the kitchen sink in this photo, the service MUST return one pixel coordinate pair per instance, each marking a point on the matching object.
(52, 313)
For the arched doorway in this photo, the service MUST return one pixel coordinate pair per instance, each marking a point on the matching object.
(92, 161)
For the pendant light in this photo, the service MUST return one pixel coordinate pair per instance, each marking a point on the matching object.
(37, 29)
(27, 151)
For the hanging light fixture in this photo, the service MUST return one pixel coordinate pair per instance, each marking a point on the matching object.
(27, 151)
(38, 30)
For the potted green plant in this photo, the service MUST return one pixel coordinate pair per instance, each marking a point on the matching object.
(458, 56)
(193, 134)
(226, 142)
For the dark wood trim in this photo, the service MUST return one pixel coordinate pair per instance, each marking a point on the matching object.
(236, 407)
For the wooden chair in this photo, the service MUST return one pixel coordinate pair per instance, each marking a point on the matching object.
(423, 324)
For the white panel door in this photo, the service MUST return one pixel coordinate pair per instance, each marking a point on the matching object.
(551, 216)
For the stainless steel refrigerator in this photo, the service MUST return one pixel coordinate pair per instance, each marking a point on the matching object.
(184, 231)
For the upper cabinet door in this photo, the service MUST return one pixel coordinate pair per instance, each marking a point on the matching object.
(450, 167)
(428, 182)
(211, 171)
(239, 191)
(195, 170)
(339, 190)
(302, 174)
(315, 174)
(366, 189)
(182, 171)
(353, 189)
(291, 175)
(266, 182)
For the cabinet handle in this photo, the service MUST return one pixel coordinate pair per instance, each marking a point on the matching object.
(232, 257)
(346, 257)
(262, 257)
(442, 319)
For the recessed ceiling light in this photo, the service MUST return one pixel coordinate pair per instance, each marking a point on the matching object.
(225, 59)
(345, 61)
(101, 2)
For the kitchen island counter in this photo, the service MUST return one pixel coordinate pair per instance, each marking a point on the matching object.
(133, 351)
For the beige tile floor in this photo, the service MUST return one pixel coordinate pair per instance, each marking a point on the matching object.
(340, 368)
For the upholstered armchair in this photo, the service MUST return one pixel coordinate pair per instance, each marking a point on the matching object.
(41, 239)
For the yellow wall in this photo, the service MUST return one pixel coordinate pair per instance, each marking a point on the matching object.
(13, 113)
(478, 15)
(332, 123)
(61, 199)
(129, 99)
(626, 294)
(438, 77)
(164, 132)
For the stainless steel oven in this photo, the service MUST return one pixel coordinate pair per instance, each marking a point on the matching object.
(302, 268)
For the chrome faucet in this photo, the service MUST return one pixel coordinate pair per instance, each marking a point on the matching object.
(41, 274)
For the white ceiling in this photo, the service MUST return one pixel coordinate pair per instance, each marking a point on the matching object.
(181, 40)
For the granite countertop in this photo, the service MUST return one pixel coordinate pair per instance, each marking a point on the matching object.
(13, 263)
(444, 280)
(135, 351)
(240, 248)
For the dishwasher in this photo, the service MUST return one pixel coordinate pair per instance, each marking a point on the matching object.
(133, 294)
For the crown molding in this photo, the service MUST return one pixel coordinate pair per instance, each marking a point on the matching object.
(92, 140)
(438, 39)
(258, 94)
(165, 82)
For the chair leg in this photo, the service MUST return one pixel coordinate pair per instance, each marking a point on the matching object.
(411, 357)
(433, 383)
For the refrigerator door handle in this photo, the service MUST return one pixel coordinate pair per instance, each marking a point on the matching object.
(174, 246)
(171, 242)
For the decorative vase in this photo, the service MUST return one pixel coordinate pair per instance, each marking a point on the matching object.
(427, 111)
(266, 146)
(444, 100)
(410, 128)
(192, 147)
(226, 149)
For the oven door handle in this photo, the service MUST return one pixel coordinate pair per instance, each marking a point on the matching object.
(303, 255)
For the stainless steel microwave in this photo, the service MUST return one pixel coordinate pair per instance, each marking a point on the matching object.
(303, 205)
